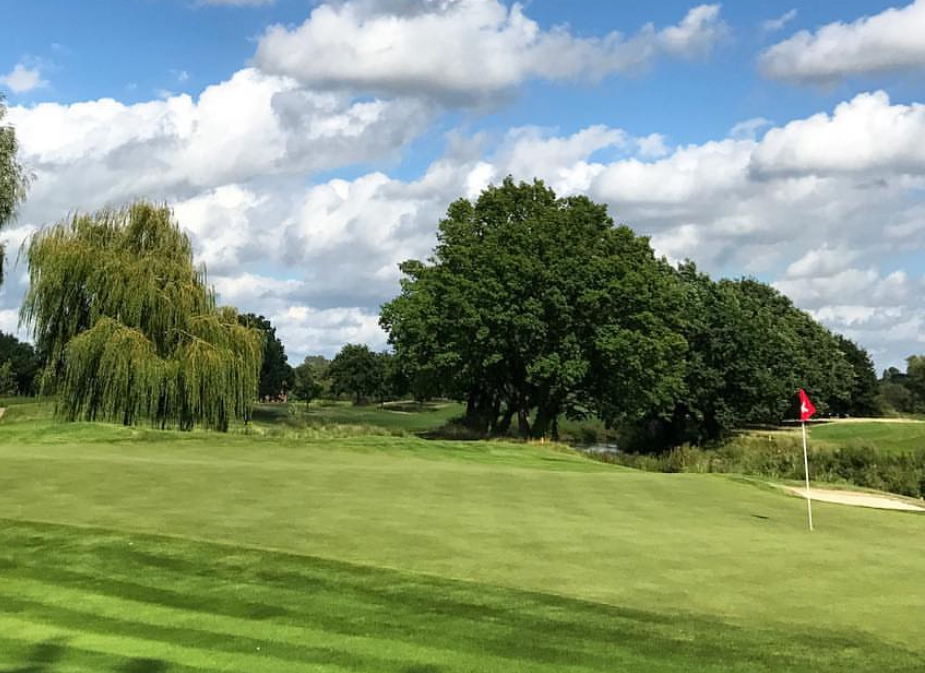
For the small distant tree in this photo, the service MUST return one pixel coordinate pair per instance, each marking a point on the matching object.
(276, 376)
(915, 381)
(893, 375)
(312, 378)
(306, 385)
(8, 384)
(356, 371)
(904, 392)
(896, 396)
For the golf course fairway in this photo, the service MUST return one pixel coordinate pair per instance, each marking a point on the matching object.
(135, 550)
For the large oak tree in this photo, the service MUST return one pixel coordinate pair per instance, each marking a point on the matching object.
(533, 306)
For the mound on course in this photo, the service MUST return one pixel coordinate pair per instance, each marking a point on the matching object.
(898, 435)
(135, 550)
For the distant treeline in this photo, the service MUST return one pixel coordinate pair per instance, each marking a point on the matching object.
(356, 373)
(904, 392)
(534, 306)
(19, 367)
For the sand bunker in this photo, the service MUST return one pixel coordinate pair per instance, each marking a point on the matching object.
(857, 499)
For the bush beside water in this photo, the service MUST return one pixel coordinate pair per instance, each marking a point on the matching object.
(781, 458)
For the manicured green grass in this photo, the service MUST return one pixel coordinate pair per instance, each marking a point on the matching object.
(94, 600)
(889, 436)
(138, 550)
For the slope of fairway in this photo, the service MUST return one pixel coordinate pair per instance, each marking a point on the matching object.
(887, 435)
(398, 554)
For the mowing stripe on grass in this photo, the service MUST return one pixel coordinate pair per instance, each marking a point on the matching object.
(205, 606)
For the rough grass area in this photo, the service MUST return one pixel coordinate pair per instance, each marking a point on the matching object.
(137, 550)
(882, 455)
(390, 418)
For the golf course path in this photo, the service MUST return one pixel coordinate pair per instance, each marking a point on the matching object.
(856, 499)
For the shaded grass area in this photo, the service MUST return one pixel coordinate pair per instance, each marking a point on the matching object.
(90, 599)
(33, 425)
(295, 420)
(326, 418)
(391, 418)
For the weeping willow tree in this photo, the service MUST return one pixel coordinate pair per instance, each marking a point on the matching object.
(14, 179)
(130, 328)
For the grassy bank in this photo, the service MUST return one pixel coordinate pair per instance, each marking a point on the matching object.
(890, 435)
(874, 455)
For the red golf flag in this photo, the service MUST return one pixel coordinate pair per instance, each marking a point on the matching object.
(806, 407)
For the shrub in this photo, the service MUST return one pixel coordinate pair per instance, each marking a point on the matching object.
(862, 465)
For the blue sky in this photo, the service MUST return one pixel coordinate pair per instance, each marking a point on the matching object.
(309, 146)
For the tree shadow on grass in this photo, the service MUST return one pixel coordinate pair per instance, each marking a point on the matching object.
(144, 666)
(44, 657)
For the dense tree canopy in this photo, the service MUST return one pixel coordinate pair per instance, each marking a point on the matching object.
(904, 391)
(915, 383)
(129, 326)
(8, 384)
(533, 306)
(276, 376)
(863, 397)
(14, 179)
(357, 371)
(25, 363)
(310, 379)
(749, 351)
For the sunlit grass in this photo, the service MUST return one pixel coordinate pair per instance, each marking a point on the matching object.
(133, 549)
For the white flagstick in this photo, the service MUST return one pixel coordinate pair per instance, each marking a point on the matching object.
(809, 499)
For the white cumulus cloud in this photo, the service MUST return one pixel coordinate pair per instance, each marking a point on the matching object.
(865, 134)
(890, 40)
(817, 205)
(23, 79)
(463, 51)
(87, 155)
(778, 23)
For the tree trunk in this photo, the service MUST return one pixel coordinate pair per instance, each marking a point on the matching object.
(547, 420)
(504, 425)
(523, 423)
(478, 413)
